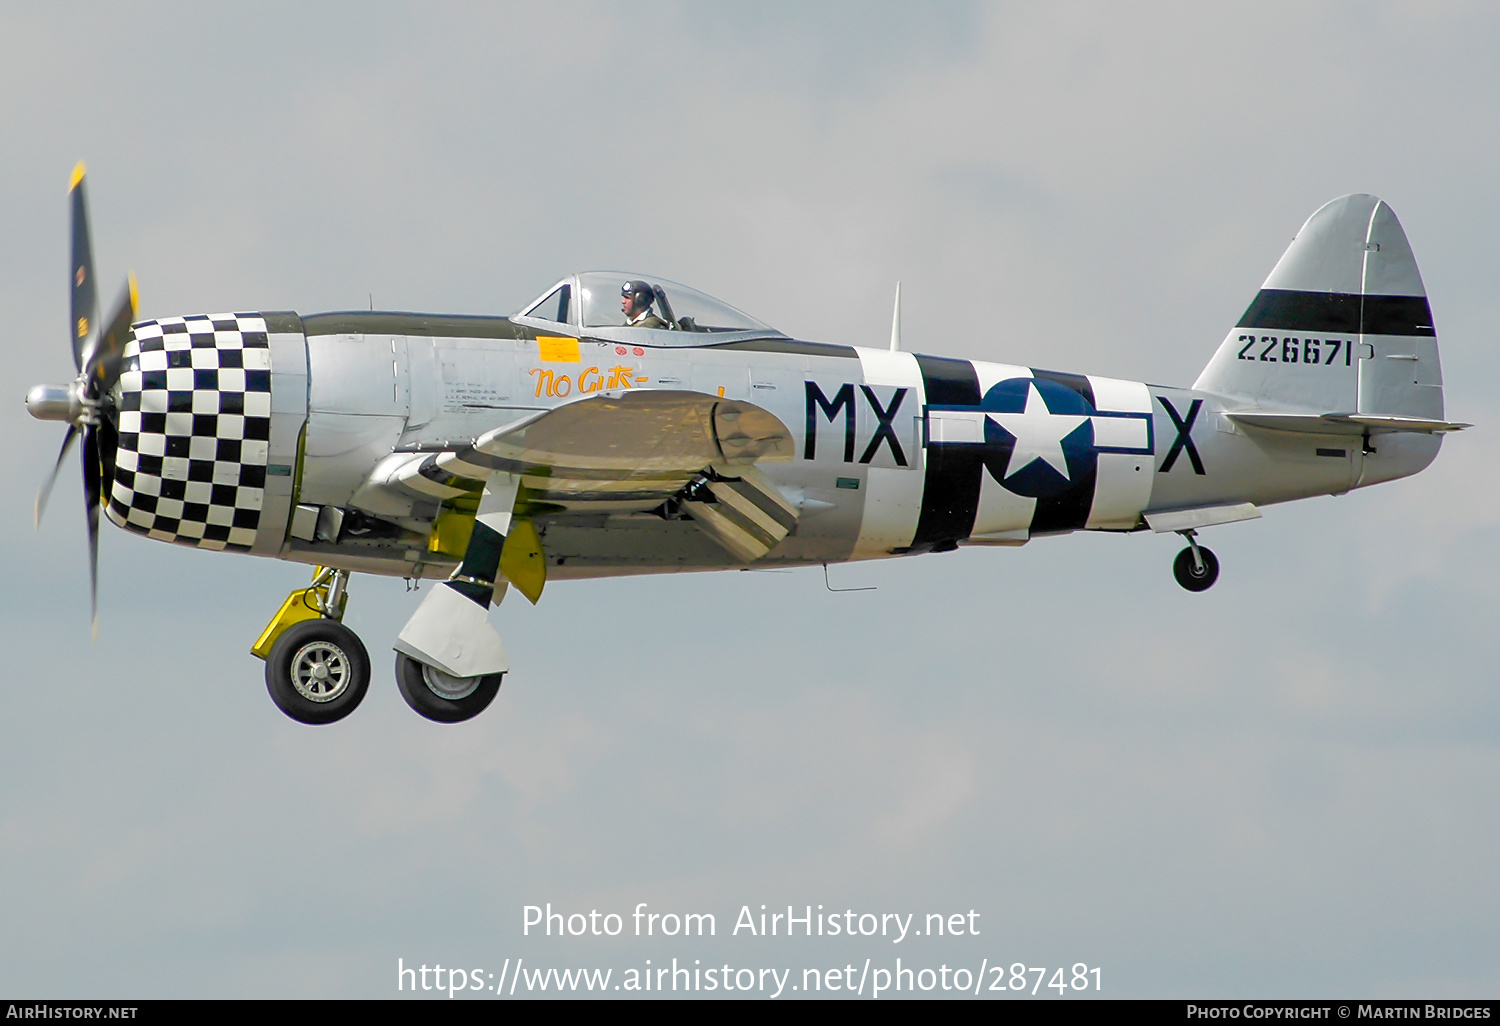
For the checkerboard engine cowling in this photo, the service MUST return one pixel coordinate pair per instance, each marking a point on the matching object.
(195, 428)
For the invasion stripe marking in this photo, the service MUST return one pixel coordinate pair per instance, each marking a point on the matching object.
(1069, 509)
(767, 505)
(950, 491)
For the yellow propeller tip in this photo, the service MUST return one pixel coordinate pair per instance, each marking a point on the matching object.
(135, 296)
(78, 171)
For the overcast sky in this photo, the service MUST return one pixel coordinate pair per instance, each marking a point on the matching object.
(1286, 786)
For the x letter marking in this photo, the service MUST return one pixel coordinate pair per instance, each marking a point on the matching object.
(1183, 440)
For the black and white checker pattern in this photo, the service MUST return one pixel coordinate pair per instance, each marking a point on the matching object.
(195, 430)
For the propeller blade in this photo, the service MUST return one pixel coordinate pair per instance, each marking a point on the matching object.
(103, 362)
(84, 299)
(46, 491)
(91, 490)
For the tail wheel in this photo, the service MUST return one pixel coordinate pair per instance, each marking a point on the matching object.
(1190, 575)
(318, 671)
(441, 697)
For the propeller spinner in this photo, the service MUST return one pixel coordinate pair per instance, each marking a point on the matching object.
(83, 404)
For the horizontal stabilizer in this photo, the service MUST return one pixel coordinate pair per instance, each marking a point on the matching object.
(1343, 423)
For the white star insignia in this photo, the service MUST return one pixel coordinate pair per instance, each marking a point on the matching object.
(1038, 433)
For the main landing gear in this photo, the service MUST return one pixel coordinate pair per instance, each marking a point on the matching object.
(1196, 567)
(317, 670)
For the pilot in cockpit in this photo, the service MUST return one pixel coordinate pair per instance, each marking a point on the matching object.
(635, 303)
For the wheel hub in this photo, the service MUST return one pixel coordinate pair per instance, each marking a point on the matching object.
(447, 686)
(320, 671)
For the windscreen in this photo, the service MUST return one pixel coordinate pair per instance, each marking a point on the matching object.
(553, 306)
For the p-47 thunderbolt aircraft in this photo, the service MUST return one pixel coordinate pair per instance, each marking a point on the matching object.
(625, 424)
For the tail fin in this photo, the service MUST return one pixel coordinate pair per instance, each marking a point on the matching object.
(1342, 324)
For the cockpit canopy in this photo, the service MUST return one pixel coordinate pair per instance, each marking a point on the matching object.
(591, 303)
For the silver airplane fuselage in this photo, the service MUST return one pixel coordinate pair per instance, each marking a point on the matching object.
(891, 453)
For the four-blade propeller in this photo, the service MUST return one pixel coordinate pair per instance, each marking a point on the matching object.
(98, 351)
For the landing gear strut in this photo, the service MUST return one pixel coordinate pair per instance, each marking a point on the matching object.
(317, 670)
(1196, 567)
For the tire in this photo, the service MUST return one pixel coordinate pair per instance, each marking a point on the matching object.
(1189, 576)
(441, 698)
(307, 693)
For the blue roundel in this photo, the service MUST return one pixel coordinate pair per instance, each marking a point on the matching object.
(1041, 438)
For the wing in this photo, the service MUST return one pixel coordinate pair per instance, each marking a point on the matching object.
(624, 452)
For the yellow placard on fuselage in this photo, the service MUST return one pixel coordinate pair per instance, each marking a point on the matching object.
(556, 349)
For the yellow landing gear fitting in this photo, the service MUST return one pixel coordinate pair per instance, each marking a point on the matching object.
(317, 670)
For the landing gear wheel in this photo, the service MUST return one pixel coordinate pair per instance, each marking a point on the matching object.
(440, 697)
(317, 671)
(1187, 573)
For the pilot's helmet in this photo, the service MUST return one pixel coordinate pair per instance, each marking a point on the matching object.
(640, 291)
